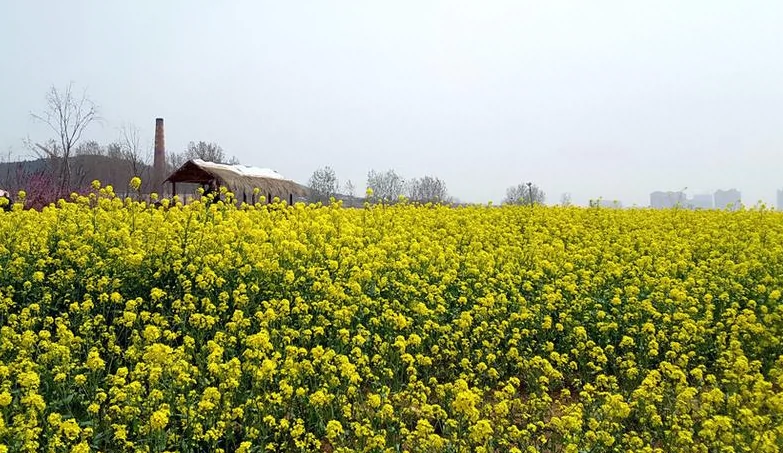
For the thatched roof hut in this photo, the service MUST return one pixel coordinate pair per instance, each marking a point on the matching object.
(241, 180)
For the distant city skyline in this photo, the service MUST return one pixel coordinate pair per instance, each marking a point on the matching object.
(719, 199)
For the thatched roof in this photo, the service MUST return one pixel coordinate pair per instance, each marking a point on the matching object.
(239, 179)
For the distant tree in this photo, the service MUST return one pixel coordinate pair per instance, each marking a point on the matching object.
(174, 161)
(50, 152)
(386, 186)
(40, 183)
(6, 177)
(68, 115)
(210, 152)
(114, 150)
(565, 200)
(133, 152)
(89, 148)
(350, 189)
(525, 194)
(7, 156)
(40, 186)
(323, 185)
(428, 189)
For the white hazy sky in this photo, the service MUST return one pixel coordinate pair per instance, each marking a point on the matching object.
(603, 98)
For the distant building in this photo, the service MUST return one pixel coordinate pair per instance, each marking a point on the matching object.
(726, 198)
(662, 200)
(780, 200)
(701, 201)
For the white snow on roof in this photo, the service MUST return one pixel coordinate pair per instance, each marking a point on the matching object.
(243, 170)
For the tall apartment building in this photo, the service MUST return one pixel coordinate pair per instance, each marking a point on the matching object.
(661, 200)
(726, 198)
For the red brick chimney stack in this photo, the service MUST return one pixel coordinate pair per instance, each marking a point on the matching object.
(159, 161)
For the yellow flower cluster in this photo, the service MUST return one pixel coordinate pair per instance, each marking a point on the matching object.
(133, 327)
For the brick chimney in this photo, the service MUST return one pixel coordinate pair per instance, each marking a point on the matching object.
(159, 161)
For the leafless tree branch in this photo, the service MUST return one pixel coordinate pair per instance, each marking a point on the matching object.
(68, 116)
(132, 150)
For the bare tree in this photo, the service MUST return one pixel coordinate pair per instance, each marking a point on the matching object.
(50, 153)
(565, 200)
(114, 150)
(428, 189)
(132, 151)
(68, 115)
(174, 161)
(323, 185)
(350, 189)
(526, 194)
(387, 186)
(7, 156)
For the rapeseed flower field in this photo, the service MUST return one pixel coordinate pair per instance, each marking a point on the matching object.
(274, 328)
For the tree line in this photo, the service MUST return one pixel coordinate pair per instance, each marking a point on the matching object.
(68, 161)
(71, 162)
(389, 187)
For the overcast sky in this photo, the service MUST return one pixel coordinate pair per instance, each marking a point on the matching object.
(610, 99)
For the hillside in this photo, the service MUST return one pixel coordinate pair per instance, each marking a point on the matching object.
(39, 177)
